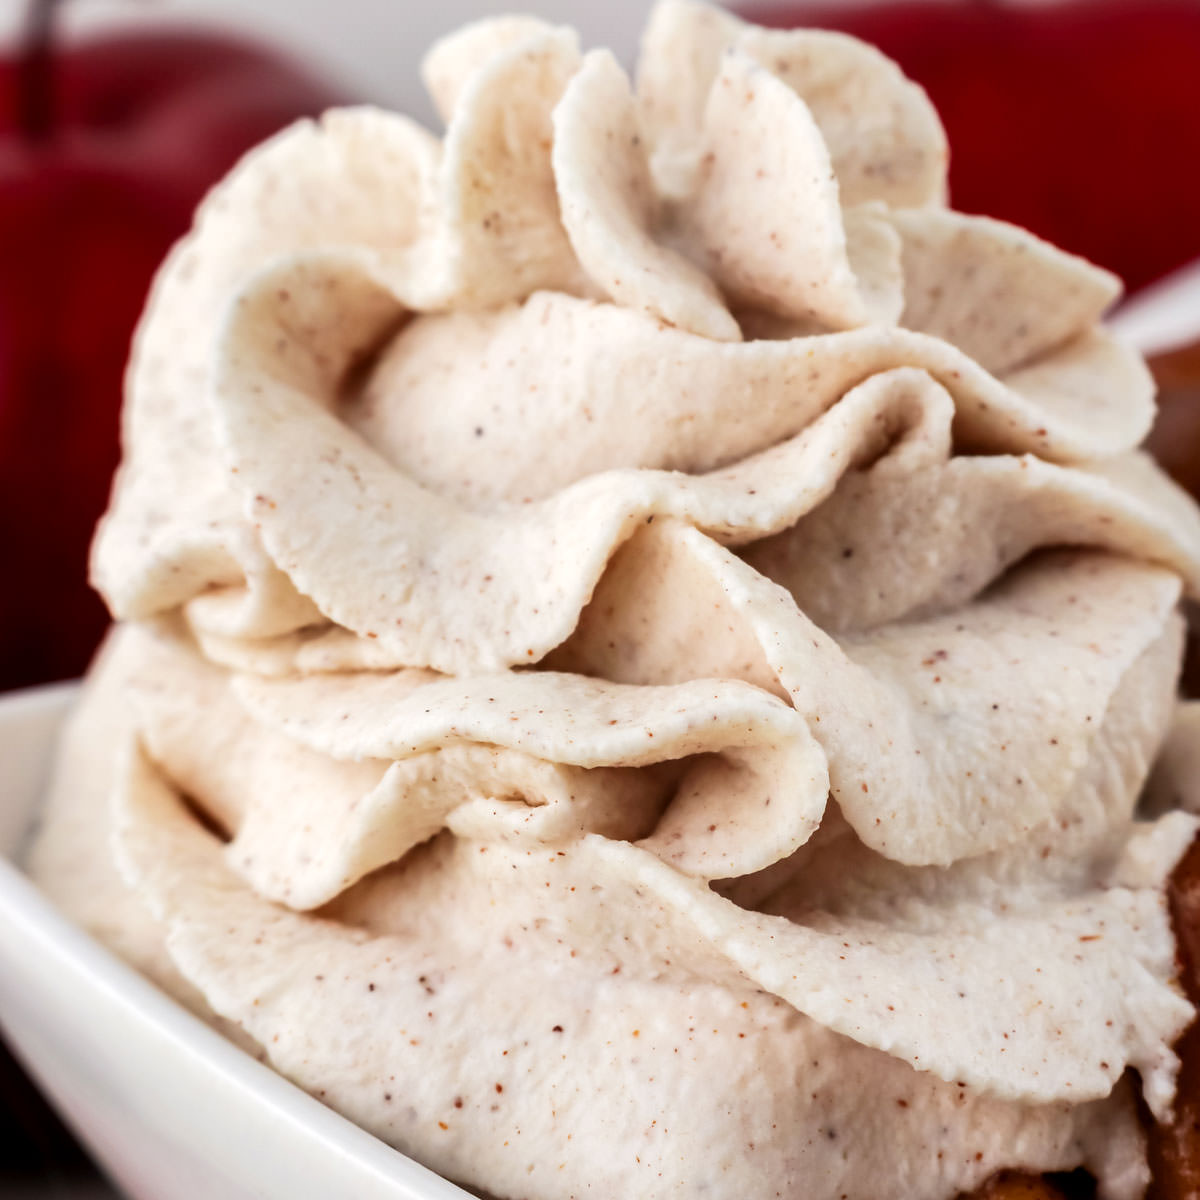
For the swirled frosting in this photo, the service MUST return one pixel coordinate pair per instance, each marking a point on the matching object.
(661, 626)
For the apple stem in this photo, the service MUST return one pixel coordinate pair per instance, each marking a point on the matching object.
(35, 74)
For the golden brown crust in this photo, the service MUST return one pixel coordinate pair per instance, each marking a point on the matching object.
(1175, 1149)
(1016, 1185)
(1175, 443)
(1175, 438)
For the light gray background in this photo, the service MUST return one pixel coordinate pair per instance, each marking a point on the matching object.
(371, 46)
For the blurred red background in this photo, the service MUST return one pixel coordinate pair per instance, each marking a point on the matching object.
(1079, 119)
(105, 149)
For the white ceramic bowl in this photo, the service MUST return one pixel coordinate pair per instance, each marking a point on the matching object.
(169, 1108)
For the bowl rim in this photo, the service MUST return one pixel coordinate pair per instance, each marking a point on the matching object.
(31, 918)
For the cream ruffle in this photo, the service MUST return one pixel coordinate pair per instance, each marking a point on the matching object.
(640, 560)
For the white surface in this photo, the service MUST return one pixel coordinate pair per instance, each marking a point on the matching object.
(27, 720)
(1165, 315)
(169, 1108)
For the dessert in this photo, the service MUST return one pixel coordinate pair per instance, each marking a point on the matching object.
(642, 638)
(107, 143)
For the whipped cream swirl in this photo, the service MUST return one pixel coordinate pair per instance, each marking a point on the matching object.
(669, 625)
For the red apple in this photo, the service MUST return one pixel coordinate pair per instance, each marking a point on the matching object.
(1079, 119)
(106, 147)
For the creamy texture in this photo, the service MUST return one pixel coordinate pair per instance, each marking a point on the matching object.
(643, 634)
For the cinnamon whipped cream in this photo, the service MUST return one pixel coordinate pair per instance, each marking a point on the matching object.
(642, 635)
